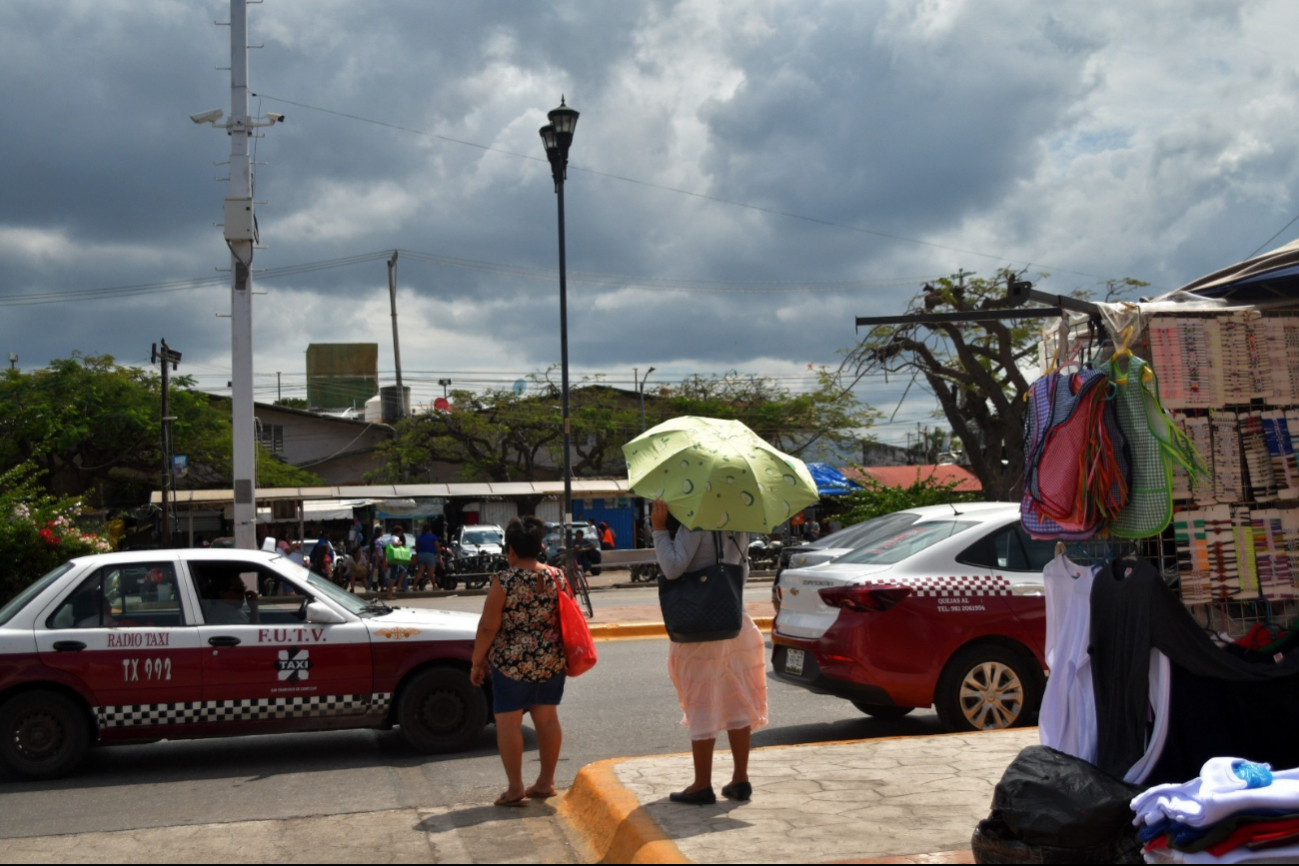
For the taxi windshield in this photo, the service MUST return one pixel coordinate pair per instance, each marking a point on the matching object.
(897, 546)
(321, 586)
(34, 589)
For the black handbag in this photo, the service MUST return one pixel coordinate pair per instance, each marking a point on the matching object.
(704, 605)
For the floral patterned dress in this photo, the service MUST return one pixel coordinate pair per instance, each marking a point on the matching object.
(528, 647)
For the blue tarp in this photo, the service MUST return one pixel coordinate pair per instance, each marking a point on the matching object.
(830, 481)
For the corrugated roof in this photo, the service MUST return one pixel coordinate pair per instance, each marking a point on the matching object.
(905, 476)
(582, 488)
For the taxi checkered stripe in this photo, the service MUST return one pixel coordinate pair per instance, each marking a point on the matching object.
(251, 710)
(943, 587)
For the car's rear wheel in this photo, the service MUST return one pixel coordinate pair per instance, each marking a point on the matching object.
(45, 734)
(985, 688)
(882, 711)
(440, 710)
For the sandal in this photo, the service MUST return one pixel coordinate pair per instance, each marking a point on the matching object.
(534, 794)
(521, 800)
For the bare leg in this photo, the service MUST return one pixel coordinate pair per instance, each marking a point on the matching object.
(702, 753)
(741, 742)
(509, 740)
(550, 737)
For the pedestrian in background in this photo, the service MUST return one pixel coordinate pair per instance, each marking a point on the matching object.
(427, 548)
(519, 645)
(398, 556)
(721, 684)
(607, 539)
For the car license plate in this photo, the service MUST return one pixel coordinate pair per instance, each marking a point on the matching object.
(793, 661)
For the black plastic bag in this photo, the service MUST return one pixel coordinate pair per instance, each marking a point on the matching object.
(1046, 797)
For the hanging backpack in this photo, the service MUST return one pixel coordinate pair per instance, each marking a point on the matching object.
(1156, 445)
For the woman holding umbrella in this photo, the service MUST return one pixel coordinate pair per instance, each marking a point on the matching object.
(720, 481)
(721, 684)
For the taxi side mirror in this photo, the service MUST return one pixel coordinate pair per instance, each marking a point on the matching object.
(323, 614)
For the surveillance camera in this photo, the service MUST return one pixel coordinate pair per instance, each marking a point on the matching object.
(208, 116)
(274, 118)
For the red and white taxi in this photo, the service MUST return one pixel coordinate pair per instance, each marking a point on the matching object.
(944, 609)
(147, 645)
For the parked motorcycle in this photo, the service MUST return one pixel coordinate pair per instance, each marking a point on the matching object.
(764, 553)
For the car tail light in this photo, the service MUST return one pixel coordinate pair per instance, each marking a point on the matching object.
(864, 599)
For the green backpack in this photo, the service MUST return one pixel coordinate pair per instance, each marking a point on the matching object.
(1155, 442)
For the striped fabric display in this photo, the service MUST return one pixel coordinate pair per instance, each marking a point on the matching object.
(1290, 550)
(1258, 457)
(1182, 490)
(1228, 474)
(1188, 356)
(1246, 553)
(1247, 371)
(1220, 538)
(1272, 560)
(1283, 350)
(1193, 557)
(1200, 431)
(1280, 449)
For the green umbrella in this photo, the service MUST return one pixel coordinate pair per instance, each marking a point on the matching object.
(717, 474)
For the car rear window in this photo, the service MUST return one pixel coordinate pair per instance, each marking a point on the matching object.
(862, 534)
(897, 546)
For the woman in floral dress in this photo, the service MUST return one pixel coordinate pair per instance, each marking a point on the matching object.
(519, 646)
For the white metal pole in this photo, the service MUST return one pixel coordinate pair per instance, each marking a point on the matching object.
(240, 129)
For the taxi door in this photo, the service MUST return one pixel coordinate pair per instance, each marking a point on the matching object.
(126, 633)
(272, 665)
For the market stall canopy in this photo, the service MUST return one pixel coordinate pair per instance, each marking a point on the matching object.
(583, 487)
(830, 481)
(1266, 280)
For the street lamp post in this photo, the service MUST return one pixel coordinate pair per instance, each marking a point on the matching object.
(640, 502)
(557, 136)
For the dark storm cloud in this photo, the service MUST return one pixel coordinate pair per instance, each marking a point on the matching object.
(1152, 140)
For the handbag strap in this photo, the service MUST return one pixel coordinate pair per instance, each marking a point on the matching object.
(559, 588)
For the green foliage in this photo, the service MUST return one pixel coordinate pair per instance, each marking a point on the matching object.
(293, 403)
(38, 532)
(92, 426)
(876, 499)
(501, 436)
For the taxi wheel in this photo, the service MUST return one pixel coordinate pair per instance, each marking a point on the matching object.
(45, 735)
(985, 688)
(441, 711)
(880, 711)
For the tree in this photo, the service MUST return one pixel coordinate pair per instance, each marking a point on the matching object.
(38, 532)
(876, 499)
(975, 369)
(502, 436)
(92, 427)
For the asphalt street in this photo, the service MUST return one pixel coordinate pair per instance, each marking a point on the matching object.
(624, 707)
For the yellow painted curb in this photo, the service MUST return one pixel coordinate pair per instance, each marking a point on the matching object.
(626, 631)
(609, 821)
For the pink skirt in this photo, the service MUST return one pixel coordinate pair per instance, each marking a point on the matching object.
(721, 684)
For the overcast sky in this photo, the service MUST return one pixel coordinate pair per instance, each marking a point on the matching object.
(734, 163)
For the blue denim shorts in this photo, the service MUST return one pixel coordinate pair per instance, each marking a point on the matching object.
(509, 696)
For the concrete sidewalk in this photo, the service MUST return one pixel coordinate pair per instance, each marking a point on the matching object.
(896, 800)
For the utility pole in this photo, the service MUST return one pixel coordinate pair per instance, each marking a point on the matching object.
(396, 346)
(240, 230)
(444, 383)
(13, 360)
(166, 356)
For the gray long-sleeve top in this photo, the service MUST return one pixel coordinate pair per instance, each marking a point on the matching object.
(693, 549)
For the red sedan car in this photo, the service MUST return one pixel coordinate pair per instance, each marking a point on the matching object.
(946, 610)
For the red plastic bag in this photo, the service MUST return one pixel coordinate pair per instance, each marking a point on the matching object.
(579, 647)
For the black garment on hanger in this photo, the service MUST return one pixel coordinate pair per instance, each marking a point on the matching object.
(1133, 612)
(1213, 718)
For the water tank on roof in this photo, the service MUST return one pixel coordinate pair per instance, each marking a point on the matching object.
(394, 404)
(374, 410)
